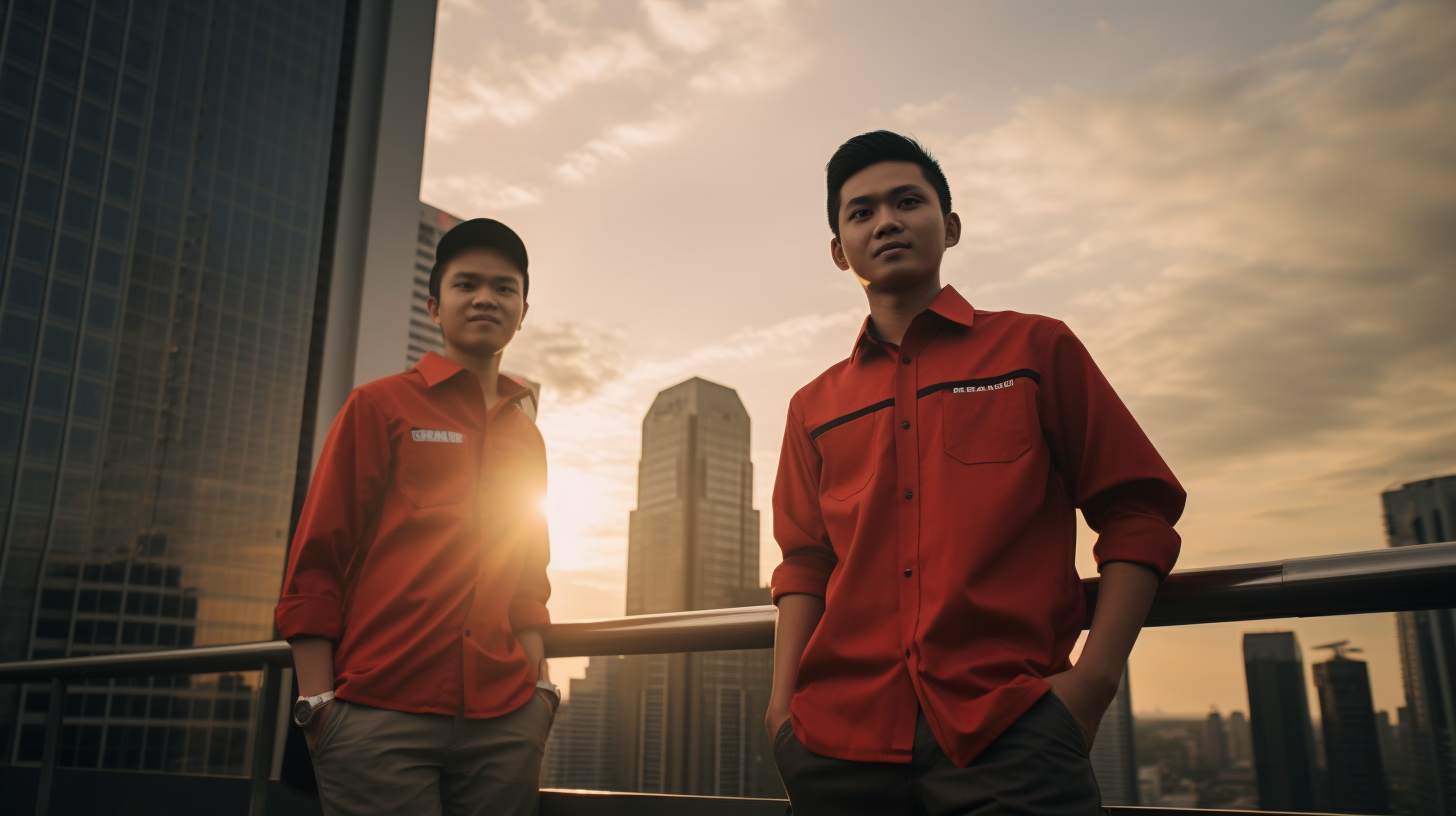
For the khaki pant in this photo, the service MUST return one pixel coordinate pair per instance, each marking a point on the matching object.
(376, 761)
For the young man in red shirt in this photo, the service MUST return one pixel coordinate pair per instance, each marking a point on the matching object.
(416, 586)
(928, 598)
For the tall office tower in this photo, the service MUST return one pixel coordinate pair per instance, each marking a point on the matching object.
(424, 335)
(1215, 740)
(1423, 513)
(694, 721)
(581, 751)
(1114, 754)
(190, 227)
(1352, 745)
(1240, 748)
(1283, 738)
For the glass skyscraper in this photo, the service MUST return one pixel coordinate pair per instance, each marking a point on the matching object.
(1114, 751)
(1354, 774)
(165, 182)
(1420, 513)
(1283, 737)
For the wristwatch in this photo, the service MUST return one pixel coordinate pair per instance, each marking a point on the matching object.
(306, 707)
(554, 689)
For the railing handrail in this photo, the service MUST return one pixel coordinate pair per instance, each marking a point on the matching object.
(1388, 580)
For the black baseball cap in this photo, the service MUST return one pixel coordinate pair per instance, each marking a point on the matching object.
(480, 233)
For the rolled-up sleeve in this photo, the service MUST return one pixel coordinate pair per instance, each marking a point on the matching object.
(345, 492)
(1111, 471)
(528, 604)
(798, 524)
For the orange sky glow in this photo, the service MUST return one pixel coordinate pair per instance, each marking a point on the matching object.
(1242, 208)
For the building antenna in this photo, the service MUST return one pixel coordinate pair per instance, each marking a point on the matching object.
(1341, 648)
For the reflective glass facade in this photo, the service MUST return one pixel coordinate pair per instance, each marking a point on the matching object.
(164, 168)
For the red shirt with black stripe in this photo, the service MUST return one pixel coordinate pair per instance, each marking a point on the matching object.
(928, 493)
(422, 546)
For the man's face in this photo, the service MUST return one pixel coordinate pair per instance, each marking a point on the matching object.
(480, 307)
(892, 234)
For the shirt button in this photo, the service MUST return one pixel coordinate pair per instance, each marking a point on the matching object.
(467, 633)
(905, 424)
(905, 360)
(907, 573)
(909, 494)
(907, 653)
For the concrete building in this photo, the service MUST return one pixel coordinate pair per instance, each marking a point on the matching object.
(200, 206)
(1240, 747)
(1215, 741)
(424, 335)
(1114, 753)
(1420, 513)
(1354, 772)
(1283, 737)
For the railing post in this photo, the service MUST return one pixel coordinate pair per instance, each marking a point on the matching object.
(264, 722)
(52, 749)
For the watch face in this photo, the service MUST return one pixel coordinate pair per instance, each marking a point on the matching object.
(302, 712)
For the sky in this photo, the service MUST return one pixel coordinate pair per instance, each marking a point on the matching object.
(1244, 209)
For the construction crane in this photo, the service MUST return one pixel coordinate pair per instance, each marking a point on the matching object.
(1341, 648)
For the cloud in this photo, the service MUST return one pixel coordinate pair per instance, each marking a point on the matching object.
(1280, 233)
(698, 29)
(617, 142)
(913, 113)
(639, 63)
(572, 361)
(478, 193)
(513, 92)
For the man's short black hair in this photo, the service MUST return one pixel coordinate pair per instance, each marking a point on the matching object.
(480, 233)
(875, 147)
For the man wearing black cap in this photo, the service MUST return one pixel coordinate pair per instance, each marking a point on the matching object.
(416, 586)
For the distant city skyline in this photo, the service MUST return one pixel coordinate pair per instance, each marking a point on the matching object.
(1204, 192)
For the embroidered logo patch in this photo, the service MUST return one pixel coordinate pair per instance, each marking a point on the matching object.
(972, 388)
(426, 435)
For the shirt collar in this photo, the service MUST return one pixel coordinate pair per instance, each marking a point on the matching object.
(948, 304)
(437, 368)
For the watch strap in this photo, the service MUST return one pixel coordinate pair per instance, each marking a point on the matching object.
(318, 699)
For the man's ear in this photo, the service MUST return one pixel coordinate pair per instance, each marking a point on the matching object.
(952, 230)
(525, 307)
(433, 304)
(836, 251)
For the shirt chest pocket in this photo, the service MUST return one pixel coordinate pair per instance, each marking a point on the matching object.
(436, 469)
(980, 427)
(849, 452)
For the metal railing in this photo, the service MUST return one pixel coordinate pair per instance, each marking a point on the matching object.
(1389, 580)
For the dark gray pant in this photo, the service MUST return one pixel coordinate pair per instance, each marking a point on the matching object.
(1038, 767)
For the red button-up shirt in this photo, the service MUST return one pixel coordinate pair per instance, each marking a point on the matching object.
(422, 546)
(927, 493)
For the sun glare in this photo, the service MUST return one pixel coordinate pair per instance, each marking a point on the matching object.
(584, 512)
